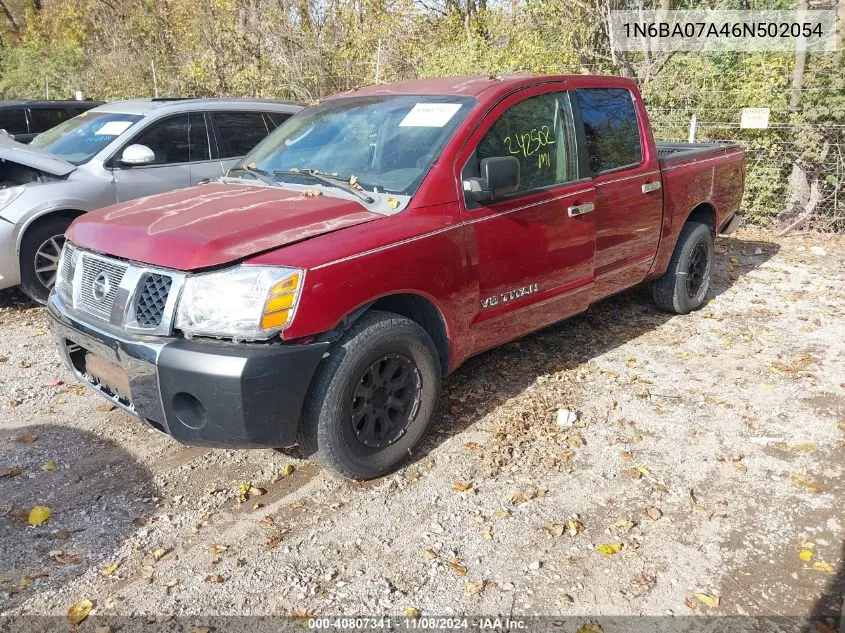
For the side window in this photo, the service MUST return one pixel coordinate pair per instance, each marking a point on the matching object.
(43, 119)
(13, 120)
(177, 139)
(238, 132)
(277, 118)
(540, 133)
(611, 128)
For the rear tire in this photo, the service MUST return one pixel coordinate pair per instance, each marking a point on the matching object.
(373, 398)
(39, 259)
(684, 286)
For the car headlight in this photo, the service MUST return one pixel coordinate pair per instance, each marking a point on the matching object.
(8, 195)
(245, 302)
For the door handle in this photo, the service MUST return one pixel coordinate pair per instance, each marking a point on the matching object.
(580, 209)
(651, 186)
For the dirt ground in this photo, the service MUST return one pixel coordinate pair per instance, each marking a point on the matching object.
(707, 458)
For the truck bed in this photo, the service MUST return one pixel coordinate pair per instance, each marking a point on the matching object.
(670, 153)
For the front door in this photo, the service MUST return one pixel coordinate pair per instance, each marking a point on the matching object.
(534, 249)
(181, 147)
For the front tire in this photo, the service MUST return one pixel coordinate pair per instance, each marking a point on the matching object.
(684, 286)
(373, 398)
(39, 259)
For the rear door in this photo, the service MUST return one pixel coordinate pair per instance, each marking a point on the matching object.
(533, 249)
(629, 200)
(182, 155)
(237, 133)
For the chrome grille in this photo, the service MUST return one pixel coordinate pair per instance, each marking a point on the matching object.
(64, 283)
(92, 269)
(152, 298)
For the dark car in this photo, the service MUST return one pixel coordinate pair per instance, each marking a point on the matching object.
(23, 120)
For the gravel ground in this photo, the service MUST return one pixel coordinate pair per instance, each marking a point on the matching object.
(706, 458)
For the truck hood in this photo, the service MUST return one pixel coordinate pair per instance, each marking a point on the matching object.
(212, 224)
(29, 156)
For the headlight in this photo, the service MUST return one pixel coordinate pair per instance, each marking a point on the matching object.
(245, 302)
(8, 195)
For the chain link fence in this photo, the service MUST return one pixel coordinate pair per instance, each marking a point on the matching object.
(795, 171)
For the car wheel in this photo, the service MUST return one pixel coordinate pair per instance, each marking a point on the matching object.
(372, 398)
(684, 286)
(39, 259)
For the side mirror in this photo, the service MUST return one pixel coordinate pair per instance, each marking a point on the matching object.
(137, 155)
(499, 178)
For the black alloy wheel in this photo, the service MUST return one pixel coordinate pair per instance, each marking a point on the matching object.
(386, 400)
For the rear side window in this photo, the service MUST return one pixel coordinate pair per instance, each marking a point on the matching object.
(178, 139)
(539, 133)
(13, 121)
(45, 118)
(277, 118)
(611, 128)
(238, 132)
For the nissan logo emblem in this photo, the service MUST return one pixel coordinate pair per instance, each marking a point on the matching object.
(100, 286)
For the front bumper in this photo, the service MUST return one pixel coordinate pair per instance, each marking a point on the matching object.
(203, 393)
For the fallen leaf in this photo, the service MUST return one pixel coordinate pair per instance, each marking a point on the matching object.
(821, 627)
(66, 559)
(502, 514)
(392, 202)
(589, 628)
(690, 604)
(158, 553)
(108, 570)
(411, 612)
(806, 555)
(808, 484)
(27, 438)
(739, 467)
(79, 611)
(255, 491)
(708, 600)
(653, 513)
(311, 193)
(822, 566)
(462, 486)
(48, 465)
(575, 526)
(475, 588)
(142, 520)
(487, 533)
(430, 554)
(243, 492)
(555, 529)
(610, 548)
(214, 579)
(287, 471)
(218, 549)
(458, 566)
(6, 471)
(627, 456)
(38, 515)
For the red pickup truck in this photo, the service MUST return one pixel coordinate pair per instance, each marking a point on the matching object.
(318, 292)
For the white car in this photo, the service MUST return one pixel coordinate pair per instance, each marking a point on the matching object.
(116, 152)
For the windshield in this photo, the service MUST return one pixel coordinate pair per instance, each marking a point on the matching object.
(388, 143)
(78, 139)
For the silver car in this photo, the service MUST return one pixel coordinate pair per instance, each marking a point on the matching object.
(110, 154)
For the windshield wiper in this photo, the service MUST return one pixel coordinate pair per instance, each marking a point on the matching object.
(333, 181)
(258, 174)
